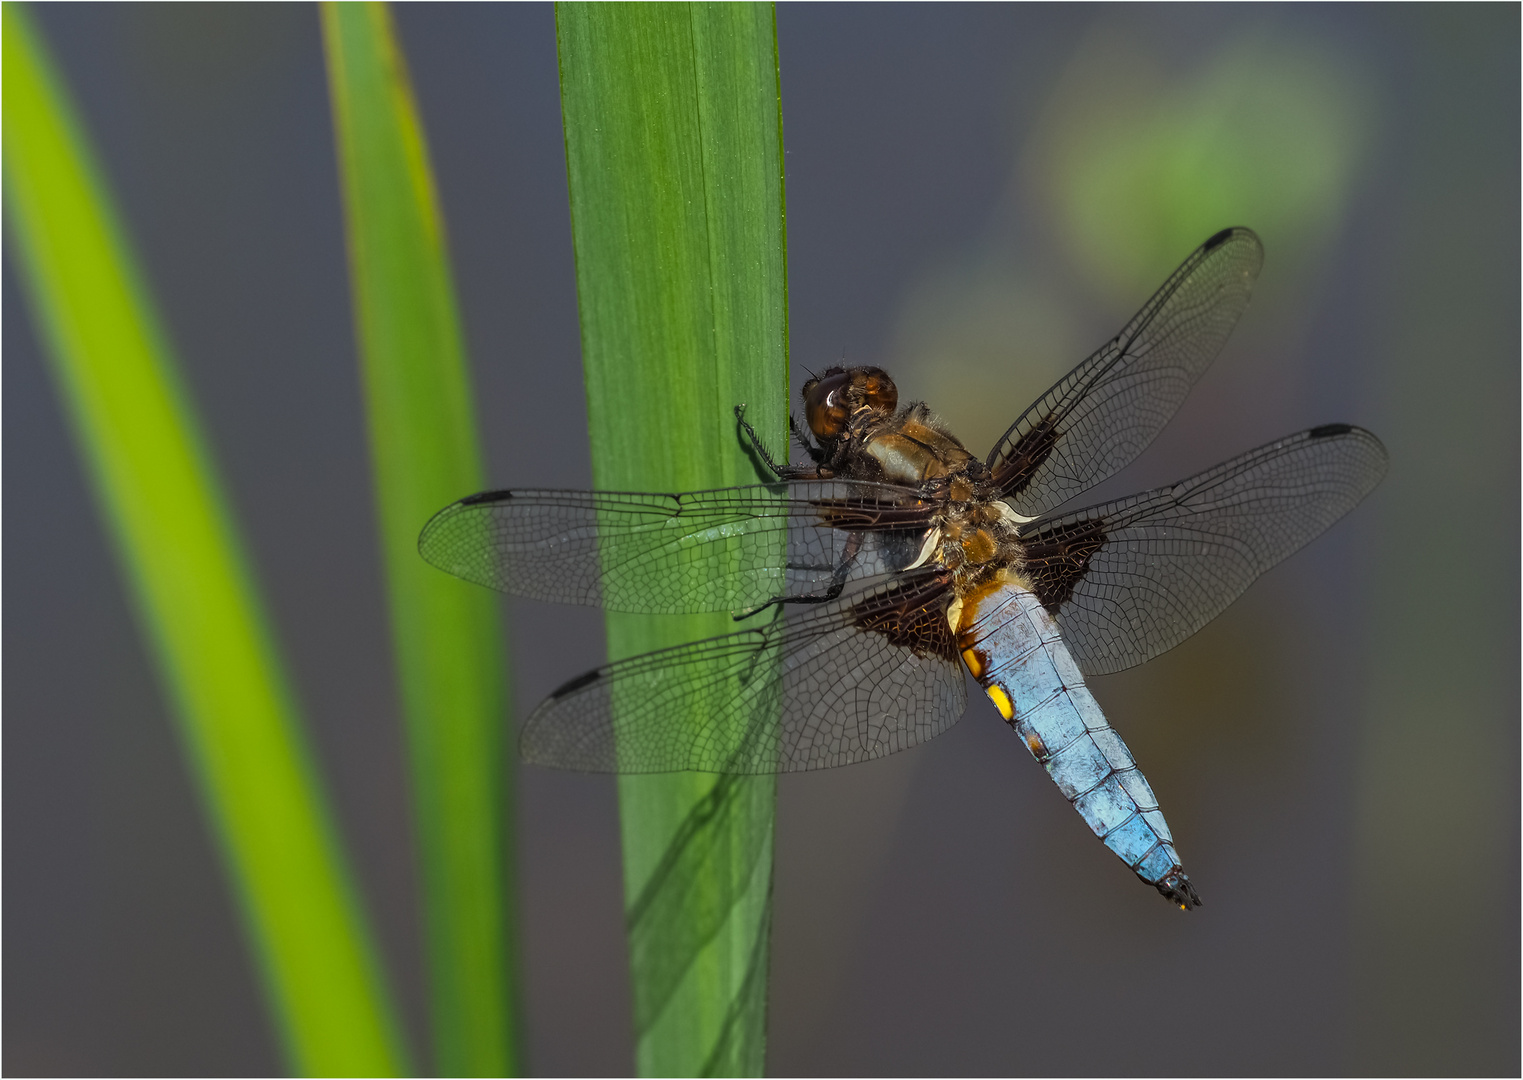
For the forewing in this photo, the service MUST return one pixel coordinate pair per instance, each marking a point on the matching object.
(862, 677)
(723, 550)
(1105, 412)
(1133, 578)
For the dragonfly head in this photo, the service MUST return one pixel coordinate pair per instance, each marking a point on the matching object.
(831, 399)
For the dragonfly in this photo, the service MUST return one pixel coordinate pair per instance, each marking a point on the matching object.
(868, 580)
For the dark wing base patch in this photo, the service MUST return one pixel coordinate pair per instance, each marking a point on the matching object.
(913, 618)
(1056, 559)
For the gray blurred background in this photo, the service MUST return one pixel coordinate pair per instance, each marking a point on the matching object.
(977, 198)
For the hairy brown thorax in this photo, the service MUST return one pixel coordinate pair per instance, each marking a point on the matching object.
(853, 413)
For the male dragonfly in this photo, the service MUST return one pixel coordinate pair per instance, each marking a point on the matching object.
(895, 559)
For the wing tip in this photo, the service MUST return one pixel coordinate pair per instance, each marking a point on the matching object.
(438, 521)
(1325, 431)
(1232, 232)
(566, 689)
(1368, 438)
(551, 740)
(1216, 240)
(484, 497)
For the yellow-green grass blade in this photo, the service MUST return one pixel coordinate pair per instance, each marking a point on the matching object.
(193, 591)
(675, 163)
(446, 634)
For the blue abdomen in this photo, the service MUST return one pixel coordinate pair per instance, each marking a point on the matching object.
(1012, 646)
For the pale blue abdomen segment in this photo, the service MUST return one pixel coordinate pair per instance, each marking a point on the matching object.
(1012, 646)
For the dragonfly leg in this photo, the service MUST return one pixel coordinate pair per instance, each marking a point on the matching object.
(783, 471)
(837, 584)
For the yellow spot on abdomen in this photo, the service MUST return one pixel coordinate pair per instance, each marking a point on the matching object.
(1001, 701)
(975, 665)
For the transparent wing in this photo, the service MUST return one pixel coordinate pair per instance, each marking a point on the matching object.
(1105, 412)
(722, 550)
(859, 678)
(1133, 578)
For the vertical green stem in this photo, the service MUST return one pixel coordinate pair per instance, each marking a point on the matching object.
(446, 634)
(180, 552)
(674, 158)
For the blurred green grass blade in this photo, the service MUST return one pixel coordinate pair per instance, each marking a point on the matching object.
(446, 634)
(674, 158)
(194, 594)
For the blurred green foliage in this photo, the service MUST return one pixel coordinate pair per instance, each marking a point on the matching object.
(183, 560)
(1139, 163)
(446, 633)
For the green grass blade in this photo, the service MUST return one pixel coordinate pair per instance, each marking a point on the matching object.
(194, 594)
(446, 634)
(674, 158)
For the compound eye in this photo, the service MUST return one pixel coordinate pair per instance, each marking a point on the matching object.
(825, 405)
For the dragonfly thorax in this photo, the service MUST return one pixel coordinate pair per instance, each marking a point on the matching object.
(974, 534)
